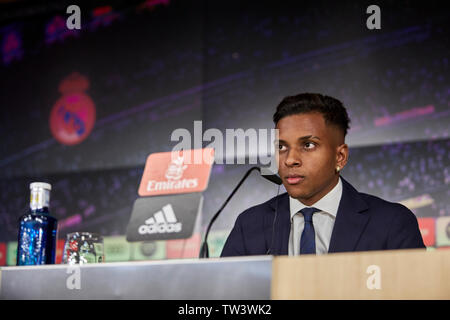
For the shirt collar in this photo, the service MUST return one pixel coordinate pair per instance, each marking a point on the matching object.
(329, 203)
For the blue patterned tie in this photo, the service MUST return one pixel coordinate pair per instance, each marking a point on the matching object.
(308, 239)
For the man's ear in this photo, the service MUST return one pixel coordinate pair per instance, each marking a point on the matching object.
(342, 155)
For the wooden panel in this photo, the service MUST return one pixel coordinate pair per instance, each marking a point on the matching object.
(397, 274)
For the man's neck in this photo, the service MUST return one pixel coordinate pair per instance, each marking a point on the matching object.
(312, 200)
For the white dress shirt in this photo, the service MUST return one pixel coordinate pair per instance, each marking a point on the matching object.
(323, 221)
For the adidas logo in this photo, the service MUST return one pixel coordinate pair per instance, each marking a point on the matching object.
(163, 221)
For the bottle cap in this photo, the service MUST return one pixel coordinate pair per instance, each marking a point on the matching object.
(42, 185)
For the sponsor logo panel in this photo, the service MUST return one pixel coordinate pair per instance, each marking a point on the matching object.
(116, 249)
(148, 250)
(443, 231)
(176, 172)
(11, 253)
(2, 254)
(164, 217)
(59, 250)
(427, 228)
(185, 248)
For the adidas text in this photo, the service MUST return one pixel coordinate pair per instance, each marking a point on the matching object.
(161, 228)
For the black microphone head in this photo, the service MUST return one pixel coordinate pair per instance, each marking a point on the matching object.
(267, 174)
(273, 178)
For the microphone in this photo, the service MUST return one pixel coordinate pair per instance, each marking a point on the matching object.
(269, 175)
(265, 173)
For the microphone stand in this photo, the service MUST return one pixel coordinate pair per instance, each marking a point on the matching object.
(204, 250)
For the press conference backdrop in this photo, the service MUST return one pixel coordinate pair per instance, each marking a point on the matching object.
(138, 70)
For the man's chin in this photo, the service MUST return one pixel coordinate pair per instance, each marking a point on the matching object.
(297, 194)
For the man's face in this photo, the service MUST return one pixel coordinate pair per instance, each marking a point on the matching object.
(309, 152)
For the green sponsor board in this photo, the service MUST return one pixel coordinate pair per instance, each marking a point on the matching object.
(11, 253)
(216, 241)
(148, 250)
(117, 248)
(443, 231)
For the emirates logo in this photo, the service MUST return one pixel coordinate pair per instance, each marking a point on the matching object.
(176, 169)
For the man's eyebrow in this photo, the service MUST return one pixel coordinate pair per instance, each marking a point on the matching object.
(308, 137)
(301, 138)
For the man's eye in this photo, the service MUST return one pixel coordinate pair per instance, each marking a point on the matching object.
(281, 147)
(310, 145)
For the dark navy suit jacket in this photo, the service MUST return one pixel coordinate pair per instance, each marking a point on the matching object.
(363, 222)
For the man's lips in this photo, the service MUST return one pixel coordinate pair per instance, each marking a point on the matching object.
(294, 178)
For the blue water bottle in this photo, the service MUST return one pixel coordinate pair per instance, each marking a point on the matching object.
(38, 229)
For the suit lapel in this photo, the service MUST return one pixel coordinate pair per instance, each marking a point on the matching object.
(282, 225)
(350, 220)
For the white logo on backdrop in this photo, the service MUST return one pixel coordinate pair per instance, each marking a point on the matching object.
(176, 169)
(173, 174)
(163, 221)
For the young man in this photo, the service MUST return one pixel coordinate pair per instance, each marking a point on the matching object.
(321, 212)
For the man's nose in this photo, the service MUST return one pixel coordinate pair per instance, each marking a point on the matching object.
(293, 158)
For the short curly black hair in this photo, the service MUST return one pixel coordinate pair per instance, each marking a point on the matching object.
(331, 108)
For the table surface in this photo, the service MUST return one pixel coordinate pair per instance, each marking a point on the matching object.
(205, 279)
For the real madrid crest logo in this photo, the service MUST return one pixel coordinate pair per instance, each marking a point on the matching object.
(73, 115)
